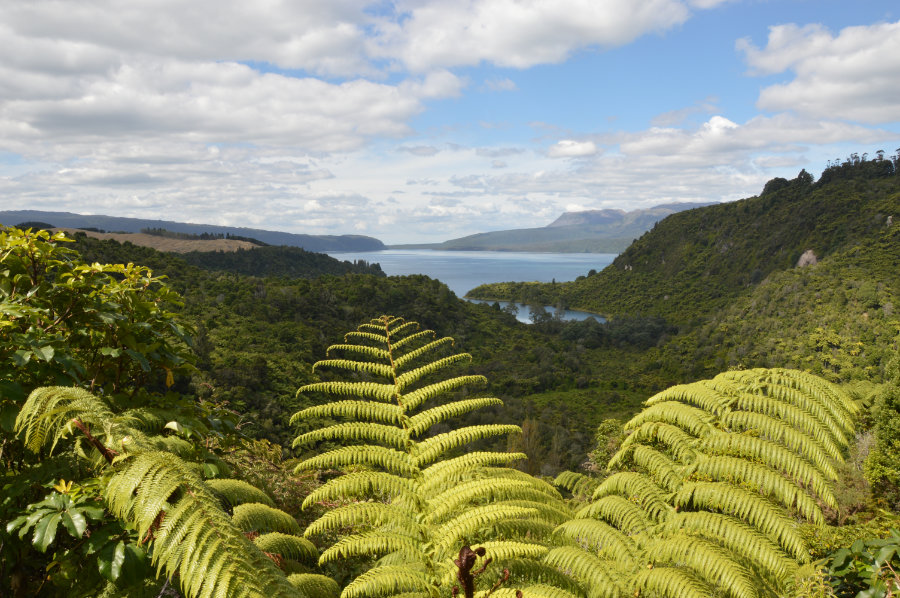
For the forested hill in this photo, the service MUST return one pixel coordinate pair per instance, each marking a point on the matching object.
(593, 231)
(695, 262)
(134, 225)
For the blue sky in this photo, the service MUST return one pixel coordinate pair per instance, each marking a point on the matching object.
(418, 121)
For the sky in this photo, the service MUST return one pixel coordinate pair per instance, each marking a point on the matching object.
(426, 120)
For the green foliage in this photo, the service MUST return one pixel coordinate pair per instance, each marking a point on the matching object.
(712, 485)
(882, 467)
(163, 499)
(868, 568)
(411, 501)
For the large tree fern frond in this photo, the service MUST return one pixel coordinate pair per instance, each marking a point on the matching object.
(588, 569)
(236, 492)
(358, 410)
(457, 469)
(672, 582)
(404, 381)
(314, 585)
(287, 546)
(705, 558)
(414, 399)
(362, 484)
(400, 362)
(492, 489)
(48, 412)
(378, 369)
(355, 431)
(390, 460)
(256, 517)
(387, 581)
(638, 488)
(372, 514)
(598, 537)
(380, 392)
(433, 448)
(370, 544)
(463, 528)
(421, 422)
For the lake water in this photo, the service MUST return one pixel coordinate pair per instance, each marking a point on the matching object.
(462, 271)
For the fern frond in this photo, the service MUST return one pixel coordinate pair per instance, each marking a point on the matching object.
(196, 541)
(235, 492)
(400, 328)
(491, 489)
(359, 410)
(696, 394)
(680, 443)
(256, 517)
(707, 560)
(464, 526)
(387, 581)
(370, 544)
(399, 362)
(374, 456)
(313, 584)
(456, 469)
(414, 399)
(778, 431)
(46, 414)
(576, 483)
(362, 484)
(762, 479)
(638, 488)
(432, 448)
(792, 416)
(747, 506)
(750, 544)
(363, 350)
(664, 471)
(773, 455)
(380, 392)
(587, 568)
(413, 376)
(532, 591)
(399, 344)
(505, 550)
(693, 420)
(389, 435)
(367, 336)
(671, 582)
(365, 513)
(378, 369)
(292, 547)
(598, 537)
(419, 423)
(620, 512)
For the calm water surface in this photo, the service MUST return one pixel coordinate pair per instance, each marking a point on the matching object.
(462, 271)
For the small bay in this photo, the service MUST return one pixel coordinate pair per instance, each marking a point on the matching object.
(462, 271)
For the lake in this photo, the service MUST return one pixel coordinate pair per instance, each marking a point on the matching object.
(462, 271)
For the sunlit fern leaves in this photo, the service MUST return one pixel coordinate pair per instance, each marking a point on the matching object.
(192, 537)
(411, 498)
(714, 477)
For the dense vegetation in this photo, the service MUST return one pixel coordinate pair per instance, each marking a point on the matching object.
(167, 396)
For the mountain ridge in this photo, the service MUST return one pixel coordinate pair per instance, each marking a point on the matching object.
(317, 243)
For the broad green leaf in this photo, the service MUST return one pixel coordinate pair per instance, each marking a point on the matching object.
(75, 522)
(45, 353)
(111, 559)
(45, 531)
(21, 357)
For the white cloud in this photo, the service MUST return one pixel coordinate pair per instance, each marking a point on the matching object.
(851, 76)
(504, 84)
(446, 33)
(569, 148)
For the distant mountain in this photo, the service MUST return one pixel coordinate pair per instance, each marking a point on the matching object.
(695, 262)
(319, 243)
(591, 231)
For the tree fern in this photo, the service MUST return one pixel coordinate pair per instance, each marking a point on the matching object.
(418, 498)
(170, 506)
(719, 472)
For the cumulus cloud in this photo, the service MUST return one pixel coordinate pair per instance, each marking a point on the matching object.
(505, 84)
(445, 33)
(569, 148)
(852, 75)
(419, 150)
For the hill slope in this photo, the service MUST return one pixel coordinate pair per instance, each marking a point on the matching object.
(320, 243)
(594, 231)
(695, 262)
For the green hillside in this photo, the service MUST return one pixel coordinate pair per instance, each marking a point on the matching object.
(695, 262)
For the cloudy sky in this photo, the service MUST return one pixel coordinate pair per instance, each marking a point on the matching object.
(425, 120)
